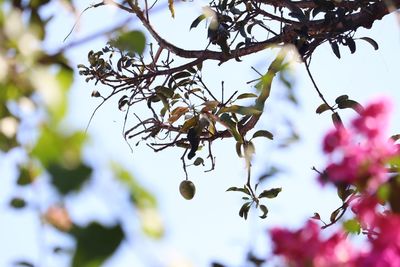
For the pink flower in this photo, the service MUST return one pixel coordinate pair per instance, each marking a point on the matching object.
(336, 138)
(305, 247)
(385, 249)
(374, 119)
(365, 208)
(359, 155)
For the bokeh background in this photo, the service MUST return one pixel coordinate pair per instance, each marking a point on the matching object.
(171, 231)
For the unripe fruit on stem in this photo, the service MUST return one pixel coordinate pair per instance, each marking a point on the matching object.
(187, 189)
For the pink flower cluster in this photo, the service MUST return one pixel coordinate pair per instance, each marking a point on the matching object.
(383, 229)
(306, 247)
(384, 241)
(358, 155)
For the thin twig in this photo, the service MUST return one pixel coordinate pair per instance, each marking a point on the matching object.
(79, 17)
(316, 87)
(184, 164)
(210, 155)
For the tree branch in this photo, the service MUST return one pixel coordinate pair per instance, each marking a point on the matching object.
(316, 28)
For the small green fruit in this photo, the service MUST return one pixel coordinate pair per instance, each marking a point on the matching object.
(187, 189)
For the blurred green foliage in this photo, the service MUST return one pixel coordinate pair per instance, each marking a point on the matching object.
(34, 86)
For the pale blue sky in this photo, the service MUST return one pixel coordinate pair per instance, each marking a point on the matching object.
(208, 227)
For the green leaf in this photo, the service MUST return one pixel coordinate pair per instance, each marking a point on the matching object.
(95, 93)
(182, 74)
(337, 121)
(223, 4)
(264, 210)
(164, 100)
(344, 192)
(263, 133)
(383, 192)
(341, 99)
(17, 203)
(271, 193)
(7, 143)
(371, 42)
(352, 226)
(27, 174)
(132, 41)
(335, 49)
(65, 78)
(124, 100)
(334, 215)
(53, 146)
(95, 243)
(394, 193)
(297, 13)
(351, 44)
(244, 210)
(271, 171)
(139, 195)
(24, 177)
(264, 85)
(246, 95)
(232, 127)
(241, 110)
(322, 108)
(239, 189)
(23, 264)
(198, 161)
(197, 21)
(239, 149)
(67, 180)
(357, 107)
(189, 124)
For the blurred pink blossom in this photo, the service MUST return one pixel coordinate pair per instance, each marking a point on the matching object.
(358, 155)
(385, 242)
(306, 247)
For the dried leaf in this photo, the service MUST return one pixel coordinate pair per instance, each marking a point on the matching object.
(177, 113)
(197, 21)
(171, 7)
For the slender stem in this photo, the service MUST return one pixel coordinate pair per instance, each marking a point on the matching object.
(248, 184)
(210, 155)
(316, 87)
(184, 164)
